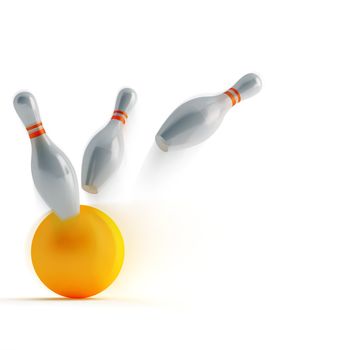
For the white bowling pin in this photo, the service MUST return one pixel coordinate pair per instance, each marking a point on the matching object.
(105, 151)
(196, 120)
(53, 173)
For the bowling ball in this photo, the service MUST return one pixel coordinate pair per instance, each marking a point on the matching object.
(78, 257)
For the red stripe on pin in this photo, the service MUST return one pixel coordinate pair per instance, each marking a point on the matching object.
(34, 126)
(118, 111)
(237, 94)
(230, 95)
(119, 117)
(37, 133)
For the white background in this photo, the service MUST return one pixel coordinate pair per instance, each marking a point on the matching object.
(240, 243)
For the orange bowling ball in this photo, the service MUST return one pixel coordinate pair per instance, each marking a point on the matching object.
(78, 257)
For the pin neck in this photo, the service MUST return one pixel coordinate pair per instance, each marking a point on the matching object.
(234, 95)
(35, 130)
(120, 115)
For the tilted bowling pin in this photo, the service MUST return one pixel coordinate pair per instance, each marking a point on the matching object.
(196, 120)
(53, 173)
(105, 151)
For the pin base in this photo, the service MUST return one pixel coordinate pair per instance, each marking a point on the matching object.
(161, 143)
(90, 188)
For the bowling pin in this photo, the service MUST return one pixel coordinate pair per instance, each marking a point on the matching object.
(104, 153)
(53, 173)
(196, 120)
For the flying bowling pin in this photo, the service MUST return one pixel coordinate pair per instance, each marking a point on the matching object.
(196, 120)
(53, 173)
(104, 153)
